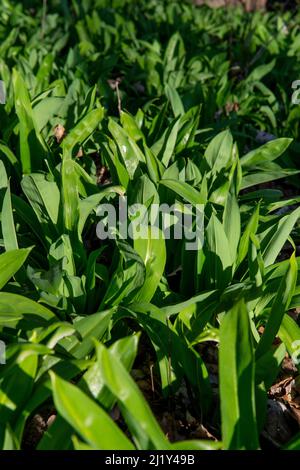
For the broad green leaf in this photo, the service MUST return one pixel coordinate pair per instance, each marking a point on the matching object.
(118, 169)
(255, 261)
(182, 361)
(45, 110)
(136, 411)
(289, 333)
(130, 126)
(10, 157)
(273, 240)
(236, 371)
(232, 222)
(267, 152)
(58, 436)
(264, 176)
(128, 277)
(267, 368)
(7, 223)
(129, 150)
(125, 350)
(90, 203)
(174, 98)
(250, 228)
(10, 263)
(16, 387)
(28, 215)
(86, 418)
(3, 176)
(16, 306)
(10, 440)
(218, 263)
(279, 307)
(197, 445)
(169, 143)
(32, 147)
(70, 196)
(153, 253)
(260, 71)
(294, 444)
(88, 328)
(82, 130)
(44, 198)
(184, 190)
(78, 445)
(67, 369)
(219, 151)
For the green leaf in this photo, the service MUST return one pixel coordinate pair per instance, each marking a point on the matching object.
(232, 222)
(153, 253)
(125, 350)
(32, 147)
(267, 368)
(16, 387)
(255, 262)
(70, 195)
(46, 109)
(16, 306)
(118, 169)
(219, 151)
(244, 241)
(273, 240)
(174, 98)
(10, 441)
(27, 215)
(86, 418)
(236, 371)
(82, 130)
(7, 223)
(266, 153)
(130, 126)
(294, 444)
(279, 307)
(259, 177)
(289, 333)
(259, 72)
(3, 176)
(184, 190)
(197, 445)
(11, 157)
(169, 143)
(175, 357)
(88, 328)
(136, 411)
(128, 277)
(218, 257)
(129, 150)
(10, 263)
(90, 203)
(44, 198)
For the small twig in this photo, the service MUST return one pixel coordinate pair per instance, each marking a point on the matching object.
(119, 99)
(152, 379)
(114, 85)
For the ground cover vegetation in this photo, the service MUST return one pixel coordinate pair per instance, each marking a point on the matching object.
(144, 344)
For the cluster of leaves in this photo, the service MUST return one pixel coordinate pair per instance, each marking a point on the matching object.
(72, 307)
